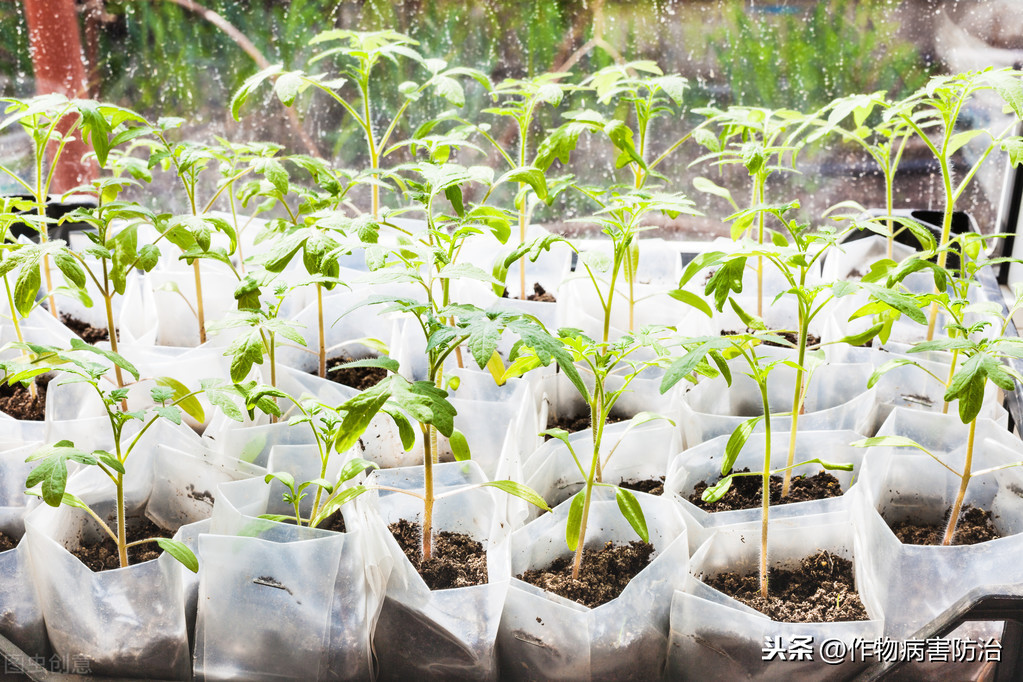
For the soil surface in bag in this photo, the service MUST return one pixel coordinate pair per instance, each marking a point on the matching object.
(7, 543)
(821, 590)
(359, 378)
(745, 491)
(456, 559)
(651, 486)
(334, 522)
(603, 575)
(89, 333)
(102, 556)
(790, 336)
(539, 294)
(578, 423)
(974, 527)
(17, 400)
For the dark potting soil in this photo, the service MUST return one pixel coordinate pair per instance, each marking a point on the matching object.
(86, 331)
(652, 486)
(792, 337)
(539, 294)
(17, 400)
(974, 527)
(103, 555)
(7, 543)
(578, 423)
(359, 378)
(821, 590)
(745, 491)
(603, 575)
(334, 522)
(457, 560)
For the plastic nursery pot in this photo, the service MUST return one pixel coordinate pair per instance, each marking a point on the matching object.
(365, 322)
(901, 484)
(837, 399)
(627, 455)
(21, 617)
(703, 463)
(563, 402)
(279, 601)
(499, 422)
(175, 301)
(548, 271)
(715, 637)
(252, 440)
(448, 633)
(130, 621)
(580, 309)
(42, 328)
(545, 636)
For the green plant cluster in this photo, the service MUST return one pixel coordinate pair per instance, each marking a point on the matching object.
(434, 207)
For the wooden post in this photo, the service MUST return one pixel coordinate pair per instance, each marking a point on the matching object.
(57, 60)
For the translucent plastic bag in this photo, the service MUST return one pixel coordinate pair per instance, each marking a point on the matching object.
(627, 454)
(544, 636)
(837, 399)
(131, 621)
(426, 633)
(920, 581)
(715, 637)
(174, 298)
(703, 463)
(278, 601)
(21, 618)
(339, 333)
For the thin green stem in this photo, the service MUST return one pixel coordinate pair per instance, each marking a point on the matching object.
(953, 517)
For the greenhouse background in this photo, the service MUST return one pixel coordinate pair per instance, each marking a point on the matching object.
(186, 58)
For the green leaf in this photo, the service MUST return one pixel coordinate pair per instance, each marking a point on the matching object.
(528, 175)
(336, 502)
(179, 551)
(737, 441)
(707, 186)
(353, 468)
(521, 491)
(288, 86)
(119, 360)
(169, 412)
(862, 337)
(52, 473)
(1009, 87)
(960, 139)
(633, 513)
(358, 413)
(459, 446)
(26, 287)
(191, 405)
(70, 268)
(283, 476)
(717, 491)
(887, 367)
(888, 442)
(575, 518)
(405, 431)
